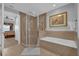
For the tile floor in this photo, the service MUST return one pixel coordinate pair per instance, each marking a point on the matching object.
(31, 52)
(37, 52)
(10, 42)
(13, 49)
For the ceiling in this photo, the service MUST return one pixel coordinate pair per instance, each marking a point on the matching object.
(35, 8)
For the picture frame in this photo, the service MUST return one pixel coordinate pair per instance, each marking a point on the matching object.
(58, 20)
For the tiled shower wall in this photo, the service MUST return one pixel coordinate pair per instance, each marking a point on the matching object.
(22, 28)
(32, 32)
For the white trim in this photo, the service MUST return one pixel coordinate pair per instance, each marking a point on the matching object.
(19, 30)
(2, 26)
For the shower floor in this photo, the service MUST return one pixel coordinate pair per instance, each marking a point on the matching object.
(31, 52)
(37, 52)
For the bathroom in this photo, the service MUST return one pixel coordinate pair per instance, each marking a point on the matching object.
(40, 29)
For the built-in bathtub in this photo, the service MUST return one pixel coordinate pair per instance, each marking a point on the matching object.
(65, 42)
(59, 46)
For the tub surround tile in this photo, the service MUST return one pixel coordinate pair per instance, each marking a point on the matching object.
(65, 42)
(58, 49)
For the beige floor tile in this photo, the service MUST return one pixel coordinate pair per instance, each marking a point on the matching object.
(10, 42)
(13, 51)
(11, 47)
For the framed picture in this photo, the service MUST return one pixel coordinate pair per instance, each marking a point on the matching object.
(58, 20)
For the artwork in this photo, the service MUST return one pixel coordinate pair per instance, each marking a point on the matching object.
(58, 20)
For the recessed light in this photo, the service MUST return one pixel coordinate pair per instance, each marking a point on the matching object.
(54, 5)
(59, 15)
